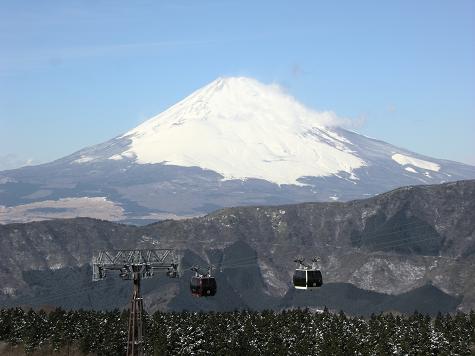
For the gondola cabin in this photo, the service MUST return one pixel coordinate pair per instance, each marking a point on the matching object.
(203, 286)
(307, 278)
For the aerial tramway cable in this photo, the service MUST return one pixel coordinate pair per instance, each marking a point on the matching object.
(253, 260)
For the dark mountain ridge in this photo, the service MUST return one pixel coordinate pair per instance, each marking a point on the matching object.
(390, 244)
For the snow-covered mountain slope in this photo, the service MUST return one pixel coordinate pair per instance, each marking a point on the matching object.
(233, 142)
(241, 129)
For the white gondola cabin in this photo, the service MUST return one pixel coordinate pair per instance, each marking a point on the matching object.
(307, 277)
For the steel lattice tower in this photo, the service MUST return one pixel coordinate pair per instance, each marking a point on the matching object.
(135, 265)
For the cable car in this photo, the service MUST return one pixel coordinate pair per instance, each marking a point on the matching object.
(307, 277)
(202, 284)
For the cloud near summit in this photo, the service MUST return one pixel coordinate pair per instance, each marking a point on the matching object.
(327, 117)
(331, 119)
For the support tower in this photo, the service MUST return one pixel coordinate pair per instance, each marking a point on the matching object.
(135, 265)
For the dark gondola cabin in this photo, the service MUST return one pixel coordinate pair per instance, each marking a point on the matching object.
(307, 278)
(203, 286)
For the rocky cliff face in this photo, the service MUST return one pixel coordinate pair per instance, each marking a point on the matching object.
(393, 243)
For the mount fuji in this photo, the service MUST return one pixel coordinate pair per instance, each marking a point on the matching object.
(233, 142)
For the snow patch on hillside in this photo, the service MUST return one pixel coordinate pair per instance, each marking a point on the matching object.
(5, 180)
(416, 162)
(8, 291)
(116, 157)
(83, 159)
(382, 274)
(244, 129)
(122, 155)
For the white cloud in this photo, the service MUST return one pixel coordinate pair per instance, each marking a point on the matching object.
(328, 117)
(331, 119)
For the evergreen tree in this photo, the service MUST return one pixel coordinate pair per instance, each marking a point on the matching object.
(294, 332)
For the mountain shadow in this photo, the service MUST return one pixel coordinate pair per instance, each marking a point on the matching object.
(401, 233)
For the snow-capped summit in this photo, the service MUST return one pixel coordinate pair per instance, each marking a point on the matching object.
(241, 128)
(233, 142)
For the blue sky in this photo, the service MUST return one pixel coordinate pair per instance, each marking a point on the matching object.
(77, 73)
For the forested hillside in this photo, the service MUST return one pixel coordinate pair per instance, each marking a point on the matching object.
(290, 332)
